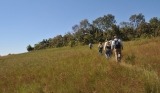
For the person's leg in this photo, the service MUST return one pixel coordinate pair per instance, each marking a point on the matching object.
(110, 54)
(119, 54)
(106, 54)
(116, 55)
(100, 51)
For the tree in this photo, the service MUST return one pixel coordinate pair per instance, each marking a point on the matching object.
(82, 32)
(67, 38)
(76, 32)
(104, 23)
(85, 27)
(107, 22)
(143, 30)
(158, 30)
(100, 29)
(71, 43)
(97, 23)
(126, 24)
(75, 28)
(58, 41)
(155, 25)
(37, 47)
(126, 29)
(136, 20)
(29, 48)
(50, 43)
(97, 27)
(85, 24)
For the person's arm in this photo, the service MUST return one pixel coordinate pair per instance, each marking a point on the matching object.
(104, 46)
(112, 45)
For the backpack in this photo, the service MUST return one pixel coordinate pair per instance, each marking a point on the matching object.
(117, 44)
(90, 45)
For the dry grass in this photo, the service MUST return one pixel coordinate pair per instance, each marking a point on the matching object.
(81, 70)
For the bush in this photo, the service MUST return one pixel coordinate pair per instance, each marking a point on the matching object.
(30, 48)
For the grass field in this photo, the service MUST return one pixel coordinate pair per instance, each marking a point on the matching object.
(81, 70)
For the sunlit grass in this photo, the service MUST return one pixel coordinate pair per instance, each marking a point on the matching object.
(81, 70)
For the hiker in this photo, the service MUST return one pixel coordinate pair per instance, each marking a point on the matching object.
(110, 40)
(100, 48)
(90, 45)
(107, 48)
(117, 46)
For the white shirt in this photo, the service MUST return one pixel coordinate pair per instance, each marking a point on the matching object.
(113, 43)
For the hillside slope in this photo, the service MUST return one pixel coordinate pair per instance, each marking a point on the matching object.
(81, 70)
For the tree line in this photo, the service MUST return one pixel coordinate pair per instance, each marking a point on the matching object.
(102, 28)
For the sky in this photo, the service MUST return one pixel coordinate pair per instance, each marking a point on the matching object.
(24, 22)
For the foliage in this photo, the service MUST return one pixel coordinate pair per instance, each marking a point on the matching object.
(155, 26)
(30, 48)
(136, 20)
(103, 28)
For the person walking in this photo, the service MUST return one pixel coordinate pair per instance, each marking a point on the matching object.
(90, 45)
(100, 48)
(117, 46)
(107, 49)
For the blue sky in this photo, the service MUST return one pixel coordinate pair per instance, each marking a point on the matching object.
(24, 22)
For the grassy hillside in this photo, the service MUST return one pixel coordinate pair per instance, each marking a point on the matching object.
(81, 70)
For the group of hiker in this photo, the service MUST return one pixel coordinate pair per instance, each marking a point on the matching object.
(111, 47)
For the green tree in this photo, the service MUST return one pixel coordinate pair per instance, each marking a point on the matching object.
(88, 31)
(136, 20)
(104, 24)
(50, 43)
(155, 26)
(143, 30)
(37, 47)
(67, 38)
(126, 29)
(85, 24)
(107, 22)
(58, 41)
(30, 48)
(76, 32)
(97, 27)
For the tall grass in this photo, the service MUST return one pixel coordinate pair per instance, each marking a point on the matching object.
(81, 70)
